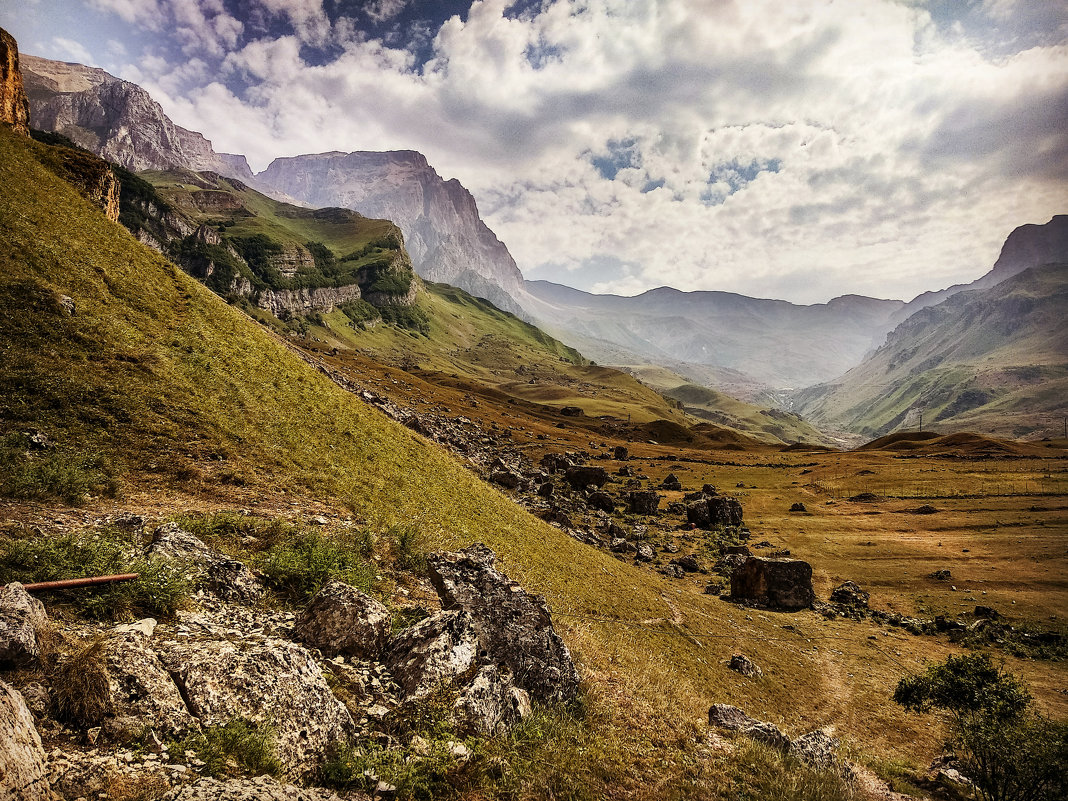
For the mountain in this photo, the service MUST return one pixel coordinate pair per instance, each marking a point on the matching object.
(447, 240)
(117, 120)
(1027, 246)
(773, 342)
(991, 360)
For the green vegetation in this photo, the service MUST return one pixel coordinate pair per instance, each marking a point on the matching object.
(51, 473)
(237, 748)
(301, 566)
(159, 590)
(1008, 750)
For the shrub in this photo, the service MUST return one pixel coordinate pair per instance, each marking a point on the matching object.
(80, 692)
(159, 590)
(409, 547)
(1011, 752)
(299, 567)
(237, 747)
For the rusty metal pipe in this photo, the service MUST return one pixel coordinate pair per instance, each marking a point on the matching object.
(89, 581)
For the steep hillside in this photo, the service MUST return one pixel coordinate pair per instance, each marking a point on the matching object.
(448, 241)
(116, 119)
(989, 360)
(776, 343)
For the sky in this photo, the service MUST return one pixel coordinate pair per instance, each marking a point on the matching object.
(799, 150)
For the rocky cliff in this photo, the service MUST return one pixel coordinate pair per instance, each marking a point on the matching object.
(14, 107)
(117, 120)
(447, 240)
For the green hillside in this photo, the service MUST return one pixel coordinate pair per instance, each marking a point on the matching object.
(991, 360)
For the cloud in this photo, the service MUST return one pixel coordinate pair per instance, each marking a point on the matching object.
(71, 50)
(805, 149)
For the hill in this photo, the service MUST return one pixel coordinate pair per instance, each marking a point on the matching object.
(988, 360)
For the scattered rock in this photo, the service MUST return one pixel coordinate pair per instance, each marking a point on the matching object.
(23, 622)
(798, 507)
(23, 764)
(713, 588)
(620, 454)
(779, 584)
(581, 477)
(671, 483)
(740, 663)
(851, 595)
(986, 613)
(506, 479)
(644, 553)
(643, 502)
(546, 490)
(342, 620)
(225, 578)
(687, 563)
(817, 749)
(733, 719)
(266, 681)
(571, 411)
(261, 788)
(602, 501)
(514, 627)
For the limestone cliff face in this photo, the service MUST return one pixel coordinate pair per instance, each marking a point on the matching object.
(447, 240)
(117, 120)
(283, 303)
(14, 107)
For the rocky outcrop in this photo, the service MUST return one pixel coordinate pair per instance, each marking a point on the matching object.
(117, 120)
(285, 303)
(270, 682)
(14, 106)
(816, 749)
(342, 620)
(581, 477)
(223, 577)
(141, 692)
(23, 765)
(447, 240)
(779, 584)
(513, 627)
(713, 512)
(643, 502)
(22, 621)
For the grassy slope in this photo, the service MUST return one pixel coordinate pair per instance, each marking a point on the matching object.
(161, 375)
(990, 360)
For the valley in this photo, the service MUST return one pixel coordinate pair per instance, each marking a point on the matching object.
(253, 401)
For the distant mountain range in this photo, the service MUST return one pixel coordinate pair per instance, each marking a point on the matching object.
(750, 347)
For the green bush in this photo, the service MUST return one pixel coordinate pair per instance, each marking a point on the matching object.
(239, 747)
(159, 590)
(297, 568)
(1011, 752)
(53, 474)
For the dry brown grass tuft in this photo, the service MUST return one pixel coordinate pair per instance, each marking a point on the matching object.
(80, 685)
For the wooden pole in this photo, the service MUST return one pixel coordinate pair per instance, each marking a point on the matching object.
(68, 584)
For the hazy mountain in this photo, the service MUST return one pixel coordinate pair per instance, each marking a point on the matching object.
(447, 240)
(993, 360)
(774, 342)
(117, 120)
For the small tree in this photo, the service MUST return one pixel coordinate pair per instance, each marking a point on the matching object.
(1011, 752)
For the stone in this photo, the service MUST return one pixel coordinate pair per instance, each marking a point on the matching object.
(643, 502)
(620, 453)
(142, 692)
(261, 788)
(506, 479)
(23, 622)
(687, 563)
(583, 476)
(267, 681)
(941, 575)
(546, 490)
(816, 749)
(798, 507)
(697, 514)
(571, 411)
(342, 620)
(434, 651)
(620, 545)
(644, 553)
(740, 663)
(514, 627)
(226, 578)
(778, 584)
(671, 483)
(986, 612)
(713, 588)
(850, 594)
(23, 763)
(726, 512)
(602, 501)
(732, 718)
(14, 106)
(490, 703)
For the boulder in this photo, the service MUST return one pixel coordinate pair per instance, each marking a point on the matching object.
(798, 507)
(270, 681)
(490, 703)
(261, 788)
(23, 621)
(581, 477)
(687, 563)
(726, 512)
(571, 411)
(850, 594)
(546, 490)
(555, 463)
(224, 577)
(141, 692)
(23, 764)
(740, 663)
(817, 749)
(602, 501)
(644, 553)
(697, 514)
(643, 502)
(342, 620)
(506, 479)
(620, 453)
(779, 584)
(514, 627)
(672, 483)
(732, 718)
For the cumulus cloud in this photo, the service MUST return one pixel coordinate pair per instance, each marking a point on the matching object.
(800, 150)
